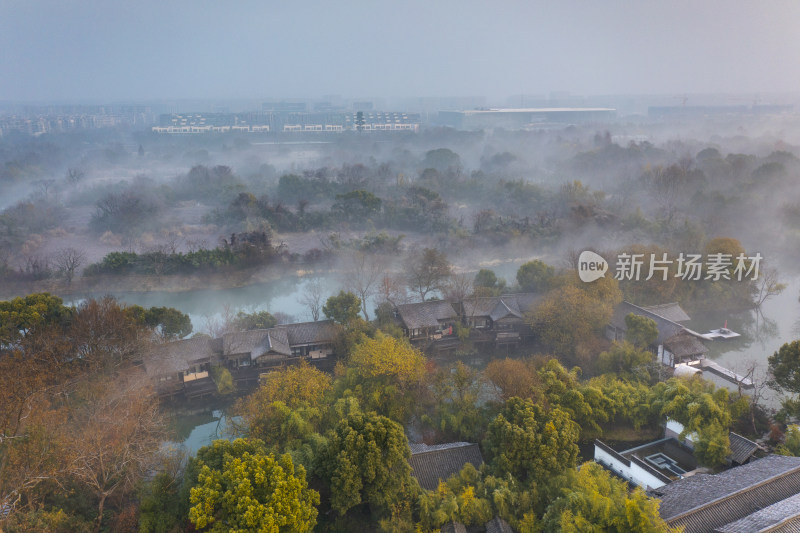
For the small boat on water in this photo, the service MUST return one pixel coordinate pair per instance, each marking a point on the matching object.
(721, 333)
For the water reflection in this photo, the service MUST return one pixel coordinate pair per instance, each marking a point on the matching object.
(193, 430)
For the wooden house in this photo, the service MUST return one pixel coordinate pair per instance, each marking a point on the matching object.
(675, 343)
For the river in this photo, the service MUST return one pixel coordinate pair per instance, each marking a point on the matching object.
(762, 331)
(207, 306)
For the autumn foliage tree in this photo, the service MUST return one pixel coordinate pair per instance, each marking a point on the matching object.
(71, 409)
(597, 501)
(530, 442)
(113, 438)
(289, 404)
(569, 317)
(383, 373)
(243, 489)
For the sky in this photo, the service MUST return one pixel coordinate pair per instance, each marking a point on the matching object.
(115, 50)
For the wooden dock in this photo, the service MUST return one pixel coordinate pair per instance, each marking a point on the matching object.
(728, 375)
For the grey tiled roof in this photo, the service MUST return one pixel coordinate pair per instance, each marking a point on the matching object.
(276, 341)
(783, 516)
(243, 342)
(498, 307)
(682, 344)
(176, 356)
(703, 502)
(429, 464)
(426, 314)
(741, 448)
(319, 332)
(257, 342)
(453, 527)
(482, 306)
(671, 311)
(498, 525)
(504, 308)
(666, 328)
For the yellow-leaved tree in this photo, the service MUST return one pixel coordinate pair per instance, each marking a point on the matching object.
(383, 373)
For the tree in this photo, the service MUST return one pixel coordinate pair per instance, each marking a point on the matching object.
(457, 391)
(426, 271)
(457, 287)
(641, 331)
(312, 297)
(705, 412)
(669, 186)
(362, 275)
(359, 205)
(342, 308)
(531, 443)
(391, 289)
(113, 440)
(68, 261)
(74, 175)
(568, 317)
(535, 276)
(172, 323)
(623, 359)
(382, 373)
(791, 442)
(302, 389)
(104, 336)
(253, 492)
(22, 314)
(512, 377)
(442, 160)
(768, 285)
(488, 281)
(255, 320)
(366, 461)
(784, 370)
(597, 501)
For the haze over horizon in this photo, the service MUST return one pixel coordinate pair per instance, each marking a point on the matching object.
(70, 50)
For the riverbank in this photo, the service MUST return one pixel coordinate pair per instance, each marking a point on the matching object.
(104, 284)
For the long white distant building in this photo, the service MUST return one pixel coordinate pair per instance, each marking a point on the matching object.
(299, 122)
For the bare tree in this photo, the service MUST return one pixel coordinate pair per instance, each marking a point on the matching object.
(74, 175)
(392, 289)
(173, 241)
(36, 266)
(44, 186)
(458, 286)
(68, 261)
(768, 285)
(426, 271)
(158, 258)
(313, 297)
(362, 274)
(114, 439)
(760, 384)
(217, 326)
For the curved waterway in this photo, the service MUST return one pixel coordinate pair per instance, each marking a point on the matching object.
(763, 331)
(204, 305)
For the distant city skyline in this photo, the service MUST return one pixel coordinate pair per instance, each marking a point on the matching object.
(96, 51)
